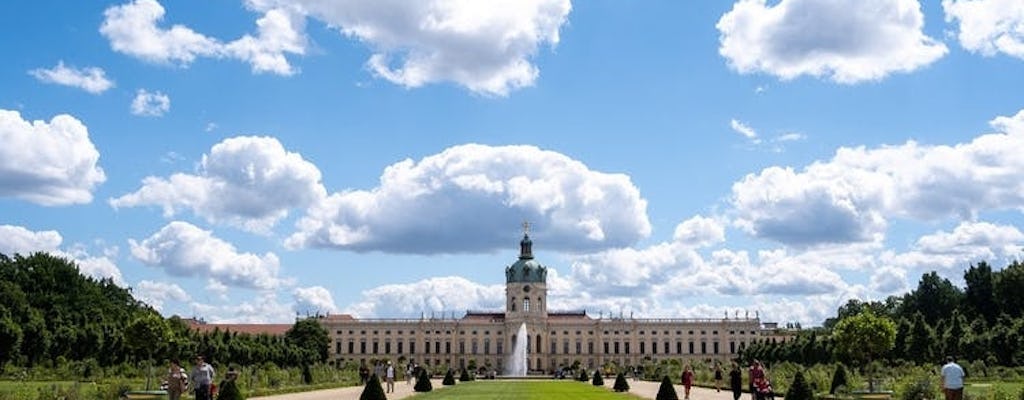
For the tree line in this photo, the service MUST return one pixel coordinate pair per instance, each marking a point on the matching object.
(51, 314)
(982, 322)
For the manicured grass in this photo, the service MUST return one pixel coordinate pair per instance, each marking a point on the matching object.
(524, 390)
(987, 390)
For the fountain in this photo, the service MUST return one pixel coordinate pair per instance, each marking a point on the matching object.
(516, 365)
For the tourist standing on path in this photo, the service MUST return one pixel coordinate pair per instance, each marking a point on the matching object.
(687, 381)
(952, 380)
(759, 386)
(718, 377)
(736, 381)
(389, 373)
(177, 380)
(201, 377)
(408, 373)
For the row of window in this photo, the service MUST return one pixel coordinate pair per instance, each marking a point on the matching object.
(615, 347)
(375, 348)
(412, 332)
(654, 332)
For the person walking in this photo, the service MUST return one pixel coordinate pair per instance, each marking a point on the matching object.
(177, 380)
(718, 377)
(202, 377)
(952, 380)
(736, 381)
(389, 374)
(687, 381)
(408, 373)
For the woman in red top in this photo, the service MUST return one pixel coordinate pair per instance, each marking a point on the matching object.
(687, 381)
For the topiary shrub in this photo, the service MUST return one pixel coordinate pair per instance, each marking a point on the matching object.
(449, 379)
(920, 389)
(666, 391)
(799, 389)
(583, 376)
(465, 377)
(423, 382)
(372, 390)
(838, 379)
(598, 379)
(620, 383)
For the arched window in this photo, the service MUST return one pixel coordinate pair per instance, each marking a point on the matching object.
(513, 304)
(526, 304)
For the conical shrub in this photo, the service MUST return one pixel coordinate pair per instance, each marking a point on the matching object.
(799, 389)
(583, 376)
(465, 377)
(449, 379)
(598, 379)
(372, 390)
(423, 382)
(838, 379)
(666, 391)
(620, 383)
(228, 390)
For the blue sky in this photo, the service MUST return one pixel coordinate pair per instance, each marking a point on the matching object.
(249, 160)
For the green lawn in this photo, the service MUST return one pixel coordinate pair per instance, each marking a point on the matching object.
(990, 389)
(524, 390)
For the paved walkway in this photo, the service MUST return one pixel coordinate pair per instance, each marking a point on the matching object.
(645, 389)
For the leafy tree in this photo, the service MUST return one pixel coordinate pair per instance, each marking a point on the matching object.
(952, 338)
(666, 391)
(620, 383)
(598, 379)
(1009, 289)
(583, 375)
(373, 390)
(979, 294)
(860, 338)
(308, 334)
(465, 376)
(449, 379)
(935, 298)
(919, 343)
(799, 389)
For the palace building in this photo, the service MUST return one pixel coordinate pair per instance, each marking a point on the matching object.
(554, 338)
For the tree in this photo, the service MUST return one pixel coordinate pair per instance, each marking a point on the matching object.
(465, 377)
(935, 298)
(423, 382)
(620, 383)
(372, 390)
(598, 379)
(666, 391)
(583, 375)
(860, 338)
(309, 335)
(449, 379)
(1009, 289)
(980, 291)
(799, 389)
(919, 343)
(839, 379)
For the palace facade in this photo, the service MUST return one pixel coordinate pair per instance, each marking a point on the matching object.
(554, 338)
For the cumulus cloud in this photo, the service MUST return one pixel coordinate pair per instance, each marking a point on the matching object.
(246, 181)
(92, 79)
(148, 104)
(313, 300)
(183, 249)
(699, 231)
(443, 294)
(844, 41)
(471, 198)
(988, 26)
(20, 240)
(51, 163)
(263, 308)
(970, 242)
(850, 197)
(889, 280)
(485, 47)
(133, 29)
(157, 293)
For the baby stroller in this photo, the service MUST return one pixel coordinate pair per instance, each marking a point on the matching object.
(763, 390)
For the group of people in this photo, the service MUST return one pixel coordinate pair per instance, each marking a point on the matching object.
(384, 371)
(199, 380)
(760, 387)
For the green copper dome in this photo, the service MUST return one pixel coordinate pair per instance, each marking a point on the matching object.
(526, 269)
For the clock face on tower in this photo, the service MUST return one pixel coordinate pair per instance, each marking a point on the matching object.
(526, 288)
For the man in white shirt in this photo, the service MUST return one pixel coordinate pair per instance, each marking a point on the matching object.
(389, 373)
(952, 380)
(202, 377)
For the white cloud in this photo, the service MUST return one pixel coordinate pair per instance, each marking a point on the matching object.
(157, 293)
(183, 249)
(262, 309)
(250, 182)
(216, 287)
(790, 137)
(988, 26)
(485, 46)
(18, 240)
(443, 294)
(889, 280)
(132, 29)
(148, 104)
(92, 79)
(744, 129)
(699, 231)
(850, 197)
(844, 41)
(51, 163)
(313, 300)
(471, 197)
(970, 242)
